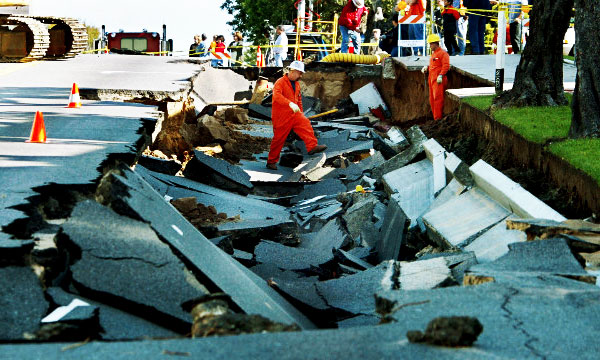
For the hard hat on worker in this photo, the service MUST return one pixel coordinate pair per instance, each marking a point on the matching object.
(297, 65)
(359, 3)
(433, 38)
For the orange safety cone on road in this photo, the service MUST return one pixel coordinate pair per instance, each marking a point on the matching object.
(74, 99)
(259, 58)
(38, 130)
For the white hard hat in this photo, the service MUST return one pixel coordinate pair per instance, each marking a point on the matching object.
(359, 3)
(297, 65)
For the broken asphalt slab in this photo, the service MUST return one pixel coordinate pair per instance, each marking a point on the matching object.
(416, 138)
(130, 195)
(128, 265)
(290, 258)
(212, 171)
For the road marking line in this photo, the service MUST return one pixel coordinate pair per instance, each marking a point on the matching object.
(17, 67)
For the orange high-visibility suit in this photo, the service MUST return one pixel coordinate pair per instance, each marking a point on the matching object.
(285, 120)
(439, 63)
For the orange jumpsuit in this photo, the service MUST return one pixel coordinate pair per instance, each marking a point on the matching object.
(439, 63)
(285, 120)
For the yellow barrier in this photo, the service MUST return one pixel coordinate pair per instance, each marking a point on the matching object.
(354, 58)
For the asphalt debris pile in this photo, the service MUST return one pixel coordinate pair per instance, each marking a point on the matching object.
(383, 233)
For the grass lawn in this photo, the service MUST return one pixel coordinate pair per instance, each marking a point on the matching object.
(480, 102)
(581, 153)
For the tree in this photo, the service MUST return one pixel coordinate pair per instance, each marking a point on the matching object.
(586, 98)
(539, 75)
(93, 33)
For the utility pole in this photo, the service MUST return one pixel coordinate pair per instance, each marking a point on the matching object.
(500, 57)
(301, 12)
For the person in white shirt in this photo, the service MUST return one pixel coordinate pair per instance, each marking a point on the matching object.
(280, 50)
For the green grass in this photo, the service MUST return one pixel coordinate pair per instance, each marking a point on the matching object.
(480, 102)
(581, 153)
(572, 58)
(537, 124)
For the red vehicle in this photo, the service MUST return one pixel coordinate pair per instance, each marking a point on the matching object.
(138, 42)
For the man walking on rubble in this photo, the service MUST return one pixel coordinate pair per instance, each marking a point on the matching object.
(288, 115)
(439, 64)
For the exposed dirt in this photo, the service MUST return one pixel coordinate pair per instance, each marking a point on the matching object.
(243, 146)
(470, 148)
(199, 214)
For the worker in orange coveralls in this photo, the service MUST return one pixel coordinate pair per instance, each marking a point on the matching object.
(439, 64)
(287, 115)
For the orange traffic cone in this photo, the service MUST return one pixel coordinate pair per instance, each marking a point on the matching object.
(74, 99)
(259, 57)
(38, 130)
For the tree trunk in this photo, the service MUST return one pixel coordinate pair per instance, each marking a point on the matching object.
(586, 98)
(539, 75)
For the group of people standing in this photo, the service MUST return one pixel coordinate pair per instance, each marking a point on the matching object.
(201, 48)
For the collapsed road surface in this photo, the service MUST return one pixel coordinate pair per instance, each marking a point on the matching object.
(143, 223)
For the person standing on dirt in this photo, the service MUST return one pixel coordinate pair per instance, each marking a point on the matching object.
(439, 64)
(288, 115)
(349, 24)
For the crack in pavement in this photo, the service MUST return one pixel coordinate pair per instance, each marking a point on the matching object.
(160, 265)
(517, 324)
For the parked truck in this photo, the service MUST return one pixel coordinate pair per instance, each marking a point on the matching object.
(144, 42)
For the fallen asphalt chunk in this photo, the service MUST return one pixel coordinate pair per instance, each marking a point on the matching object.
(216, 172)
(112, 320)
(414, 183)
(170, 167)
(290, 258)
(416, 138)
(359, 213)
(331, 236)
(472, 214)
(130, 194)
(22, 302)
(393, 232)
(310, 164)
(493, 243)
(325, 187)
(132, 268)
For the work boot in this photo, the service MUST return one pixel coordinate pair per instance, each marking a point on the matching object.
(317, 149)
(272, 166)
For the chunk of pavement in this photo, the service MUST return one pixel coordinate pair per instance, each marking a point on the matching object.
(349, 259)
(510, 194)
(367, 182)
(269, 271)
(128, 263)
(310, 164)
(394, 230)
(436, 154)
(414, 183)
(22, 302)
(473, 213)
(291, 159)
(367, 98)
(369, 235)
(331, 236)
(543, 228)
(259, 111)
(458, 262)
(360, 252)
(358, 214)
(451, 191)
(224, 243)
(112, 319)
(458, 169)
(241, 232)
(290, 258)
(170, 167)
(382, 145)
(544, 257)
(396, 139)
(77, 321)
(448, 331)
(424, 274)
(236, 115)
(241, 255)
(216, 172)
(493, 243)
(303, 290)
(128, 193)
(417, 138)
(354, 293)
(325, 187)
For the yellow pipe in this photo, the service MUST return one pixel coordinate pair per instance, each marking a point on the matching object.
(14, 2)
(354, 58)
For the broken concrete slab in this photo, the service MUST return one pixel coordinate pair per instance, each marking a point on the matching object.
(417, 138)
(493, 243)
(132, 268)
(331, 236)
(302, 290)
(309, 164)
(350, 259)
(510, 194)
(259, 111)
(290, 258)
(224, 201)
(472, 213)
(424, 274)
(22, 302)
(436, 154)
(170, 167)
(396, 139)
(414, 183)
(533, 258)
(325, 187)
(367, 98)
(112, 319)
(358, 214)
(458, 262)
(209, 87)
(393, 231)
(459, 170)
(130, 194)
(216, 172)
(543, 228)
(243, 232)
